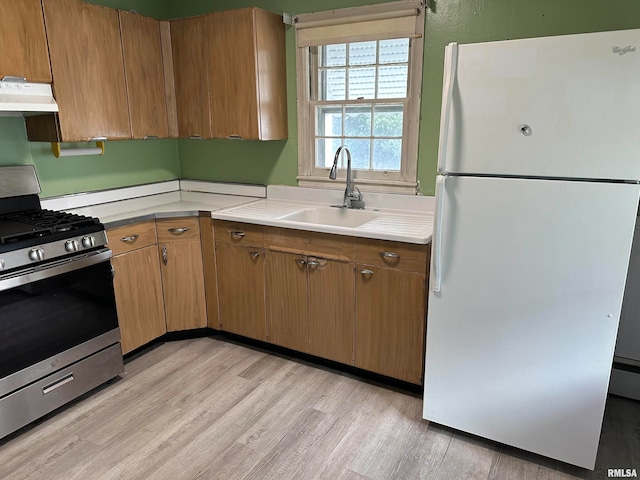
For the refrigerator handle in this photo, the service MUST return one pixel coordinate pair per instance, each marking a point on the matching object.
(436, 270)
(451, 72)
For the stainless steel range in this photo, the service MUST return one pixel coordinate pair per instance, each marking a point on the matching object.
(59, 335)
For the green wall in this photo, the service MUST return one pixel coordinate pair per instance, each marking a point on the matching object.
(134, 162)
(124, 163)
(463, 21)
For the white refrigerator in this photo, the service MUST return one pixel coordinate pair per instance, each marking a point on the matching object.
(536, 201)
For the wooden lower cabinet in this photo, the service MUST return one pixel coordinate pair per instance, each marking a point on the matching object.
(210, 271)
(310, 305)
(286, 300)
(390, 322)
(183, 285)
(331, 309)
(241, 293)
(139, 300)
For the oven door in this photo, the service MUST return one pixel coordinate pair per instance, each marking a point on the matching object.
(53, 315)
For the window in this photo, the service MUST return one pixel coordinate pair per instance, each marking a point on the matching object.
(359, 81)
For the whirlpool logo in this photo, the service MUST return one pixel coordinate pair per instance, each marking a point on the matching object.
(623, 50)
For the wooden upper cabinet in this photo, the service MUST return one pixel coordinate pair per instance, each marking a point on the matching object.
(88, 75)
(144, 73)
(23, 42)
(189, 46)
(247, 84)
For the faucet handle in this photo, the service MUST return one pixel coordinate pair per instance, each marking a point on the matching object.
(355, 194)
(354, 199)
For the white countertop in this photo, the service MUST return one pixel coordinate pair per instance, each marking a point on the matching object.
(175, 204)
(388, 224)
(395, 217)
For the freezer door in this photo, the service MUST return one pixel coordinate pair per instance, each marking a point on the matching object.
(564, 106)
(520, 337)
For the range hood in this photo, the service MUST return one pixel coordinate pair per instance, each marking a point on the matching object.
(18, 97)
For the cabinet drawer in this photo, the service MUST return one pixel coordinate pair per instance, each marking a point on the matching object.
(326, 245)
(178, 229)
(237, 233)
(131, 237)
(402, 256)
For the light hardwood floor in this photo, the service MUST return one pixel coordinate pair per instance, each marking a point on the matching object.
(211, 409)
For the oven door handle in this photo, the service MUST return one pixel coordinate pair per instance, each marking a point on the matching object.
(33, 274)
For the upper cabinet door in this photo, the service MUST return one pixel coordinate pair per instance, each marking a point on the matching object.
(232, 74)
(272, 75)
(189, 46)
(22, 41)
(247, 84)
(88, 70)
(143, 67)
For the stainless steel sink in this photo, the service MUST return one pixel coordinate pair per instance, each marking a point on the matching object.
(339, 217)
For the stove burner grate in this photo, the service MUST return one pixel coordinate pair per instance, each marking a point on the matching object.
(19, 226)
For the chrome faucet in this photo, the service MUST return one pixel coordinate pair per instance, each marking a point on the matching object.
(352, 196)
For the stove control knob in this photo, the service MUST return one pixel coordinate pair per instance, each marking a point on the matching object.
(89, 241)
(71, 245)
(36, 254)
(2, 264)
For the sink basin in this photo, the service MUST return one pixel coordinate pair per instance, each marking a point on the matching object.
(339, 217)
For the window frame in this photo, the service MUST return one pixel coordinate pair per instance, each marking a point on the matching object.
(404, 181)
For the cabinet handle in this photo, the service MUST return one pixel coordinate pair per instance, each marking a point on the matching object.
(164, 255)
(364, 271)
(390, 255)
(313, 263)
(130, 238)
(235, 137)
(254, 255)
(150, 137)
(237, 235)
(178, 231)
(196, 137)
(301, 261)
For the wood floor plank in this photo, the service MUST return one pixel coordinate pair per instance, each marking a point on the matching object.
(211, 409)
(425, 448)
(380, 454)
(48, 464)
(188, 459)
(466, 457)
(149, 459)
(233, 462)
(262, 369)
(513, 463)
(287, 459)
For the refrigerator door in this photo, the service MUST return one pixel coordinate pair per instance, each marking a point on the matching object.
(520, 337)
(563, 106)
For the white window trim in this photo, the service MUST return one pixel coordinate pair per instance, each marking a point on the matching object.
(404, 181)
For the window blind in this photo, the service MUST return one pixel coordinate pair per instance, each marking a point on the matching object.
(357, 24)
